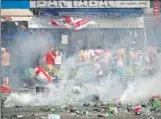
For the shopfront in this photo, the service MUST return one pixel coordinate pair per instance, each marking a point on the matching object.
(14, 14)
(116, 21)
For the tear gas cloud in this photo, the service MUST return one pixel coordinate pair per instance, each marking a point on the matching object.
(27, 48)
(138, 90)
(24, 51)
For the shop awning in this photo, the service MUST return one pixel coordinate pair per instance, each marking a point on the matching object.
(16, 15)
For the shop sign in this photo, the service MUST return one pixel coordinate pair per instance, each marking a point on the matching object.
(89, 4)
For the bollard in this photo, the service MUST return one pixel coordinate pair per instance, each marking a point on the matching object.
(40, 89)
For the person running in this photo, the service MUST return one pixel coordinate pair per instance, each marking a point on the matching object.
(58, 59)
(99, 72)
(84, 55)
(98, 53)
(50, 59)
(132, 56)
(121, 70)
(121, 54)
(5, 65)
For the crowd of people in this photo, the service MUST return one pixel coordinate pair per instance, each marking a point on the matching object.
(122, 63)
(52, 60)
(42, 73)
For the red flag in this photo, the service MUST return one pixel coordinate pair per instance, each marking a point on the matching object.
(72, 22)
(5, 89)
(63, 22)
(68, 20)
(82, 24)
(156, 11)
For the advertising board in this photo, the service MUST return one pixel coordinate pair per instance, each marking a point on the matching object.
(78, 12)
(89, 4)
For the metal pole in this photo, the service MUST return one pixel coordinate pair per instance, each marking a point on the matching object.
(145, 35)
(0, 64)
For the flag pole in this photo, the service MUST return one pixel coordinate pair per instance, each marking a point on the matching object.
(0, 70)
(145, 34)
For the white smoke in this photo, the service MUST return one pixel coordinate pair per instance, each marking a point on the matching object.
(142, 88)
(64, 92)
(24, 51)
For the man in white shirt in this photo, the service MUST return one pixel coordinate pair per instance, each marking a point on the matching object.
(58, 59)
(98, 53)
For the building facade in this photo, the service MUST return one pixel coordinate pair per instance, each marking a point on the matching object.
(116, 21)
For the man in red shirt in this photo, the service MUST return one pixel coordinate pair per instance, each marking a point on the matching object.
(50, 59)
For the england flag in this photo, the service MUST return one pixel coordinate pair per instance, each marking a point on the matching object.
(72, 22)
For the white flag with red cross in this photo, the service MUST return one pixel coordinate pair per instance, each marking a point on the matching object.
(72, 22)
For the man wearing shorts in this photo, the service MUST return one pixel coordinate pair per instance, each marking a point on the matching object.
(50, 59)
(5, 65)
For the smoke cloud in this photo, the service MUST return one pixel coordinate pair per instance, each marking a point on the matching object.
(141, 89)
(24, 50)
